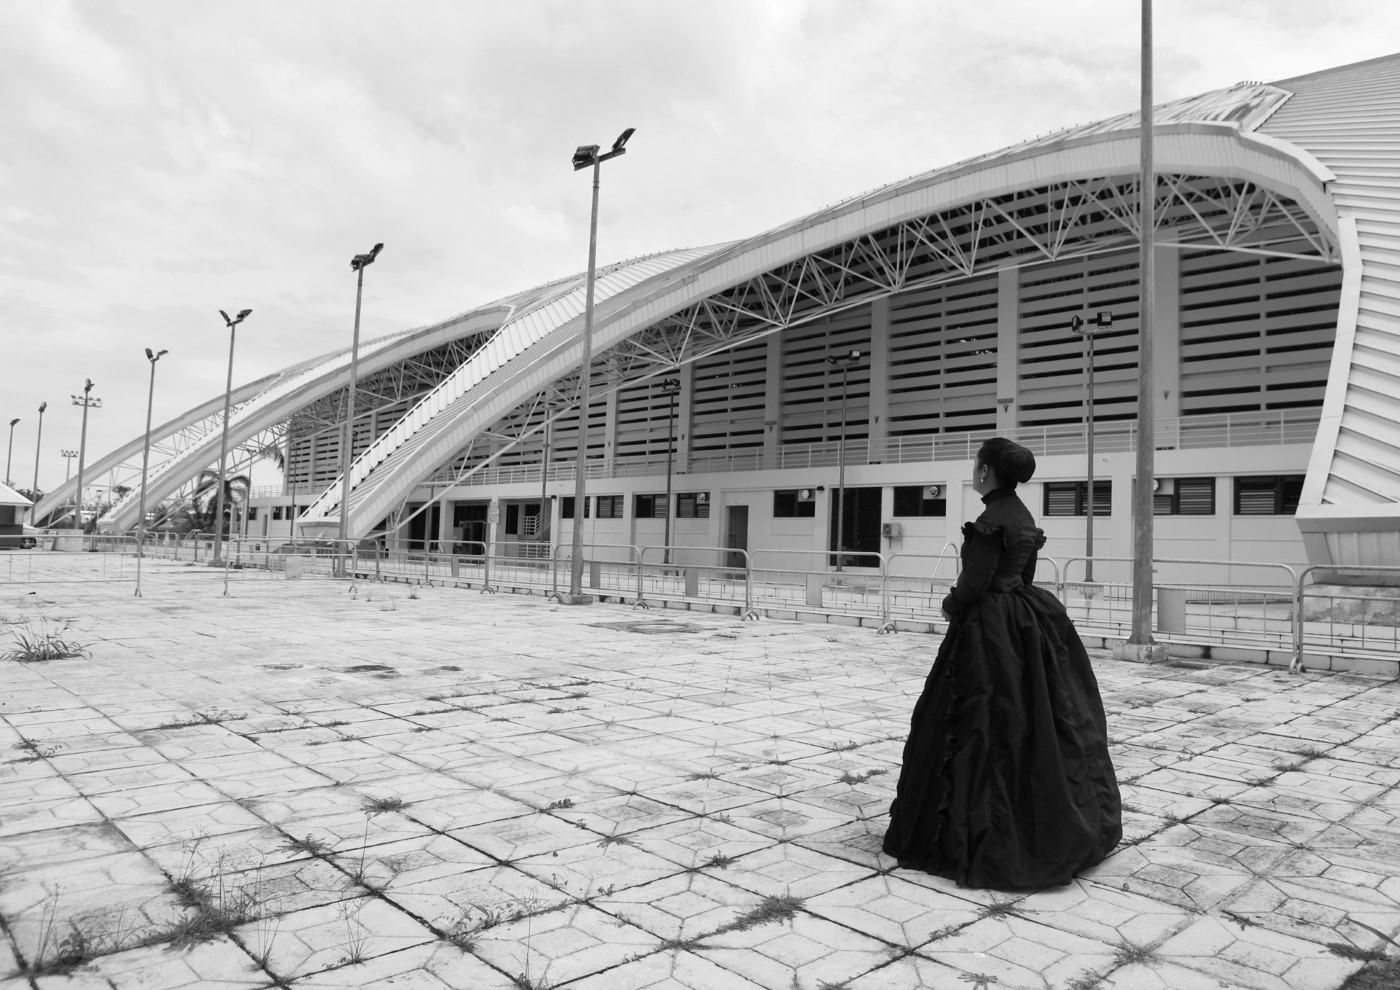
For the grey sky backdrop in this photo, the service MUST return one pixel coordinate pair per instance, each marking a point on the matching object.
(163, 159)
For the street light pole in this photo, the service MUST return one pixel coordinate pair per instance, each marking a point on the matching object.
(672, 387)
(232, 324)
(587, 156)
(11, 451)
(87, 402)
(145, 464)
(542, 537)
(38, 439)
(1102, 321)
(358, 264)
(1141, 636)
(844, 361)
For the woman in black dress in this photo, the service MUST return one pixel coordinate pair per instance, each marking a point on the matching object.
(1007, 781)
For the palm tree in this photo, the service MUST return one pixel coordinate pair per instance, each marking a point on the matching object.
(206, 498)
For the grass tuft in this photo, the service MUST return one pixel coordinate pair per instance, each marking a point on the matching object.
(44, 644)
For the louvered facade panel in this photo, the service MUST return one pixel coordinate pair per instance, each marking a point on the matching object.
(643, 424)
(728, 399)
(1256, 332)
(1052, 364)
(811, 387)
(942, 359)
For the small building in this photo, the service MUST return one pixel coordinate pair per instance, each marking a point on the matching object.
(13, 506)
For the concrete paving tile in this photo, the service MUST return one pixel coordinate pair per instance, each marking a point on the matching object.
(681, 907)
(783, 818)
(213, 965)
(605, 864)
(705, 795)
(1104, 913)
(463, 806)
(800, 950)
(575, 789)
(182, 824)
(171, 796)
(917, 971)
(510, 839)
(419, 967)
(42, 815)
(333, 935)
(1252, 957)
(893, 909)
(624, 814)
(68, 845)
(41, 784)
(693, 843)
(1013, 951)
(857, 842)
(666, 970)
(787, 869)
(1174, 876)
(1160, 974)
(563, 944)
(472, 899)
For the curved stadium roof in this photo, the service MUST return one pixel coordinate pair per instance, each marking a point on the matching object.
(1319, 154)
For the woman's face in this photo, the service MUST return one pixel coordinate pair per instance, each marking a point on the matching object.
(983, 478)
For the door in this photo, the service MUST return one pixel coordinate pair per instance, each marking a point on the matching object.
(469, 526)
(423, 527)
(736, 529)
(860, 526)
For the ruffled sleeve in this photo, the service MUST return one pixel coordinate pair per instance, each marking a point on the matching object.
(1037, 541)
(983, 543)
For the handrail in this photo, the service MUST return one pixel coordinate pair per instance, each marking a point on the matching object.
(1299, 631)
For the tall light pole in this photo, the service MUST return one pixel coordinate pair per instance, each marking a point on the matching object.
(358, 264)
(1141, 635)
(11, 451)
(672, 387)
(1102, 321)
(87, 402)
(586, 156)
(37, 447)
(844, 362)
(542, 537)
(232, 324)
(68, 456)
(145, 464)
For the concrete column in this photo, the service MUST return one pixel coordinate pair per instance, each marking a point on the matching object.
(773, 399)
(879, 371)
(1166, 335)
(1008, 333)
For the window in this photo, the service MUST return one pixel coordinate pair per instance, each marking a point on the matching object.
(609, 506)
(791, 504)
(277, 512)
(1184, 497)
(512, 520)
(693, 505)
(650, 507)
(1271, 495)
(920, 500)
(1071, 498)
(252, 513)
(566, 511)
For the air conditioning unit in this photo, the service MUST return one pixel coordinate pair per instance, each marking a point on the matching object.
(1164, 486)
(933, 491)
(702, 497)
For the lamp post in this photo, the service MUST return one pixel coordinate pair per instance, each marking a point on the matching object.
(37, 447)
(587, 156)
(232, 324)
(1102, 321)
(145, 464)
(542, 537)
(358, 264)
(10, 452)
(87, 402)
(844, 362)
(672, 387)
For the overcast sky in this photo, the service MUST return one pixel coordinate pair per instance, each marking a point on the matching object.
(164, 159)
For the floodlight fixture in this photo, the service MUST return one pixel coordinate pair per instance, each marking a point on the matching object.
(358, 263)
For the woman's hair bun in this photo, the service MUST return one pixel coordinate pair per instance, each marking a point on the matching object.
(1012, 463)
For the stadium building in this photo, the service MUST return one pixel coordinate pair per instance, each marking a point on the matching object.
(878, 341)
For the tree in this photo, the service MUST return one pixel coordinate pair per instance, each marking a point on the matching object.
(205, 500)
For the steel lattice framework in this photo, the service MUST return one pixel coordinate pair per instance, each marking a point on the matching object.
(1054, 222)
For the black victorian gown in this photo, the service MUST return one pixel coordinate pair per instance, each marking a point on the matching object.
(1007, 781)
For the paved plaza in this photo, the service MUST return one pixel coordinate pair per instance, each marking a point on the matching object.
(303, 786)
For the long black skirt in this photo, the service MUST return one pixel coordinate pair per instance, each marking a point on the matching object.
(1007, 781)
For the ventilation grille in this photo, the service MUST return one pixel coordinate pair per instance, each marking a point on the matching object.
(728, 399)
(943, 359)
(811, 387)
(1256, 332)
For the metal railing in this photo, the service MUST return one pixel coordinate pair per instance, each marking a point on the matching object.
(1366, 627)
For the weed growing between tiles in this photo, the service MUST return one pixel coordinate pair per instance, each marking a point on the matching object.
(42, 644)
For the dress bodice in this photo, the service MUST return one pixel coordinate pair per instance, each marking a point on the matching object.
(999, 550)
